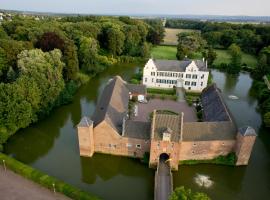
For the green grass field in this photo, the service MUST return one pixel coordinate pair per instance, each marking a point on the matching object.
(169, 52)
(224, 57)
(171, 35)
(164, 52)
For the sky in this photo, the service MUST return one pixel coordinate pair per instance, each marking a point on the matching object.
(129, 7)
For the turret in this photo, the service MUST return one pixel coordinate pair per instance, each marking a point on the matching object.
(245, 139)
(86, 137)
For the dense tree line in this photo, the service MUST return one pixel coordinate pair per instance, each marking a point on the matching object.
(250, 38)
(42, 63)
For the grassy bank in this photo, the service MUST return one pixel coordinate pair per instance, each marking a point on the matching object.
(229, 159)
(44, 179)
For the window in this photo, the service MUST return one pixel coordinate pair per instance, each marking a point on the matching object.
(138, 146)
(202, 76)
(129, 145)
(193, 83)
(188, 75)
(152, 80)
(201, 83)
(152, 73)
(145, 79)
(187, 83)
(194, 76)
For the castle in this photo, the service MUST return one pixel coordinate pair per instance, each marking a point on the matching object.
(112, 131)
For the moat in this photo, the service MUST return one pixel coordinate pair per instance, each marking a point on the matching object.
(51, 146)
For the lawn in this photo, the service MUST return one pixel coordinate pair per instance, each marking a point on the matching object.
(169, 52)
(224, 57)
(171, 35)
(164, 52)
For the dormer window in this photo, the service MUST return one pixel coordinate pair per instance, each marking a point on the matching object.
(167, 135)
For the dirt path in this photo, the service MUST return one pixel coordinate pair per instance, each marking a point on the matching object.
(15, 187)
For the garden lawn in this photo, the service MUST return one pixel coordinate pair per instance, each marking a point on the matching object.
(224, 57)
(164, 52)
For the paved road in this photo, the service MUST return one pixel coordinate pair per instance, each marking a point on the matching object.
(163, 179)
(15, 187)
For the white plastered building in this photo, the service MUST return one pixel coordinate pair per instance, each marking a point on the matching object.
(192, 75)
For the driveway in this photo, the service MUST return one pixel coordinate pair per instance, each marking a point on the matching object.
(15, 187)
(144, 109)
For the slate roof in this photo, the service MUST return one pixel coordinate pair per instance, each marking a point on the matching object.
(85, 122)
(205, 131)
(214, 107)
(177, 66)
(165, 121)
(247, 131)
(112, 105)
(136, 89)
(137, 129)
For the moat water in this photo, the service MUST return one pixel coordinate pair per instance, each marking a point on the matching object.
(51, 146)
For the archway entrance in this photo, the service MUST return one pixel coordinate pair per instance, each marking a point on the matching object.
(163, 157)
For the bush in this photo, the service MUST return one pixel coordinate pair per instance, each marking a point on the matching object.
(161, 91)
(45, 180)
(181, 193)
(82, 78)
(266, 119)
(146, 157)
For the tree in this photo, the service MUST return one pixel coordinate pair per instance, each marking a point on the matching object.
(188, 43)
(88, 53)
(156, 31)
(236, 58)
(145, 50)
(210, 55)
(46, 70)
(181, 193)
(50, 41)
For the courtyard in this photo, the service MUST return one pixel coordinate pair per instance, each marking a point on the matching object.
(143, 110)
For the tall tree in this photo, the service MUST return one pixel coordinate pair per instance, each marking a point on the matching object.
(236, 58)
(88, 53)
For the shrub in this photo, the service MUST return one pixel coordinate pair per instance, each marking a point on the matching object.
(182, 193)
(45, 180)
(161, 91)
(82, 78)
(146, 157)
(266, 119)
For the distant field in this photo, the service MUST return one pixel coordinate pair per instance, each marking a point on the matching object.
(171, 35)
(164, 52)
(169, 52)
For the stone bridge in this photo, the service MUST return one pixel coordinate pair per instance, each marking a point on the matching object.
(163, 179)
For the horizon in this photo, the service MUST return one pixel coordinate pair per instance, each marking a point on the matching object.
(143, 7)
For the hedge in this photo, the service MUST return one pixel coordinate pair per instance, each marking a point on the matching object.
(229, 159)
(45, 180)
(161, 91)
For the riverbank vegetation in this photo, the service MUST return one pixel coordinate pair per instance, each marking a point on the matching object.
(42, 63)
(229, 159)
(181, 193)
(44, 179)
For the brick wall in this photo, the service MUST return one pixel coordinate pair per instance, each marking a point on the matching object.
(108, 141)
(204, 150)
(86, 140)
(243, 148)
